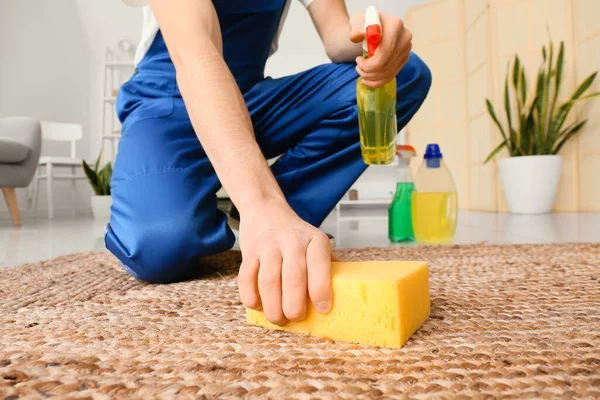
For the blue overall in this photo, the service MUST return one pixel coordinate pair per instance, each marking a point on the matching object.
(164, 216)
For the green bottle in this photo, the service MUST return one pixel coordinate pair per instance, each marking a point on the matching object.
(400, 212)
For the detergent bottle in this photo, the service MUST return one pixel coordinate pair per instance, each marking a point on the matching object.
(376, 107)
(435, 204)
(400, 212)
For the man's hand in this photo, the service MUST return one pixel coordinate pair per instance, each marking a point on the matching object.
(391, 55)
(285, 261)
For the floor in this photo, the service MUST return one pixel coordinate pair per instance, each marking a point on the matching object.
(40, 239)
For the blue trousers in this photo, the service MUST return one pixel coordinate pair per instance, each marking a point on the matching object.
(164, 216)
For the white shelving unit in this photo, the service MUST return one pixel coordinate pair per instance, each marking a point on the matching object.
(115, 73)
(365, 201)
(385, 177)
(368, 202)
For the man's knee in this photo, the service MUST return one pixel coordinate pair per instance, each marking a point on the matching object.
(153, 253)
(166, 251)
(414, 80)
(413, 84)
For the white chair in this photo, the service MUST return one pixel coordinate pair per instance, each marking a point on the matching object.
(60, 132)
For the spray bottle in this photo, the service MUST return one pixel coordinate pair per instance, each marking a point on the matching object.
(376, 107)
(400, 212)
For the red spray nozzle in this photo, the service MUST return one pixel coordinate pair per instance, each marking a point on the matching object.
(373, 34)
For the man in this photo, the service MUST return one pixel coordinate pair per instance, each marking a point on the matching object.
(199, 113)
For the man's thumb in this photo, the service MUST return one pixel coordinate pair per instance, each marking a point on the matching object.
(357, 27)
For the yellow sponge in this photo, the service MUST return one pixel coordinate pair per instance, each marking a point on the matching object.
(379, 303)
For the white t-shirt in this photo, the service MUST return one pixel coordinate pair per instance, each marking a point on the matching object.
(150, 26)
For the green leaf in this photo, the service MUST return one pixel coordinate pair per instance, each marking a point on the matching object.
(98, 162)
(496, 151)
(531, 122)
(540, 117)
(515, 72)
(523, 86)
(530, 126)
(515, 139)
(518, 87)
(91, 175)
(492, 113)
(524, 134)
(538, 91)
(570, 128)
(559, 74)
(553, 129)
(550, 62)
(100, 185)
(507, 105)
(106, 175)
(566, 135)
(565, 108)
(545, 101)
(586, 97)
(583, 86)
(544, 53)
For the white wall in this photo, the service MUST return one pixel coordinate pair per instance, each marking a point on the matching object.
(106, 22)
(51, 54)
(300, 47)
(44, 69)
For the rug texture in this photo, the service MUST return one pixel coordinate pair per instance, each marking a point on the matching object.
(506, 322)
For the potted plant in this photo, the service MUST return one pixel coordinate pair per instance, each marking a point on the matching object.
(537, 132)
(100, 181)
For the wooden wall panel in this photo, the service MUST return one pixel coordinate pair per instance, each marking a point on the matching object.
(474, 52)
(482, 184)
(442, 118)
(586, 17)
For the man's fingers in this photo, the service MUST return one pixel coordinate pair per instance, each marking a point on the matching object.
(397, 62)
(294, 279)
(360, 72)
(357, 28)
(374, 83)
(372, 77)
(361, 64)
(376, 77)
(269, 286)
(373, 64)
(247, 284)
(404, 60)
(318, 263)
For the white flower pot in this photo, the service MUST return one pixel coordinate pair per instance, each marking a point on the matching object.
(101, 206)
(530, 183)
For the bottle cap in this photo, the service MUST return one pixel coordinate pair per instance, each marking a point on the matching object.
(405, 151)
(432, 151)
(433, 156)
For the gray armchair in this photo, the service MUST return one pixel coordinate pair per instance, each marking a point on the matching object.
(20, 147)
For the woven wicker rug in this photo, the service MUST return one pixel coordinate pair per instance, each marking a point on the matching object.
(506, 321)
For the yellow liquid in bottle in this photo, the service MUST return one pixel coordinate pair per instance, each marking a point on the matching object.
(377, 122)
(434, 217)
